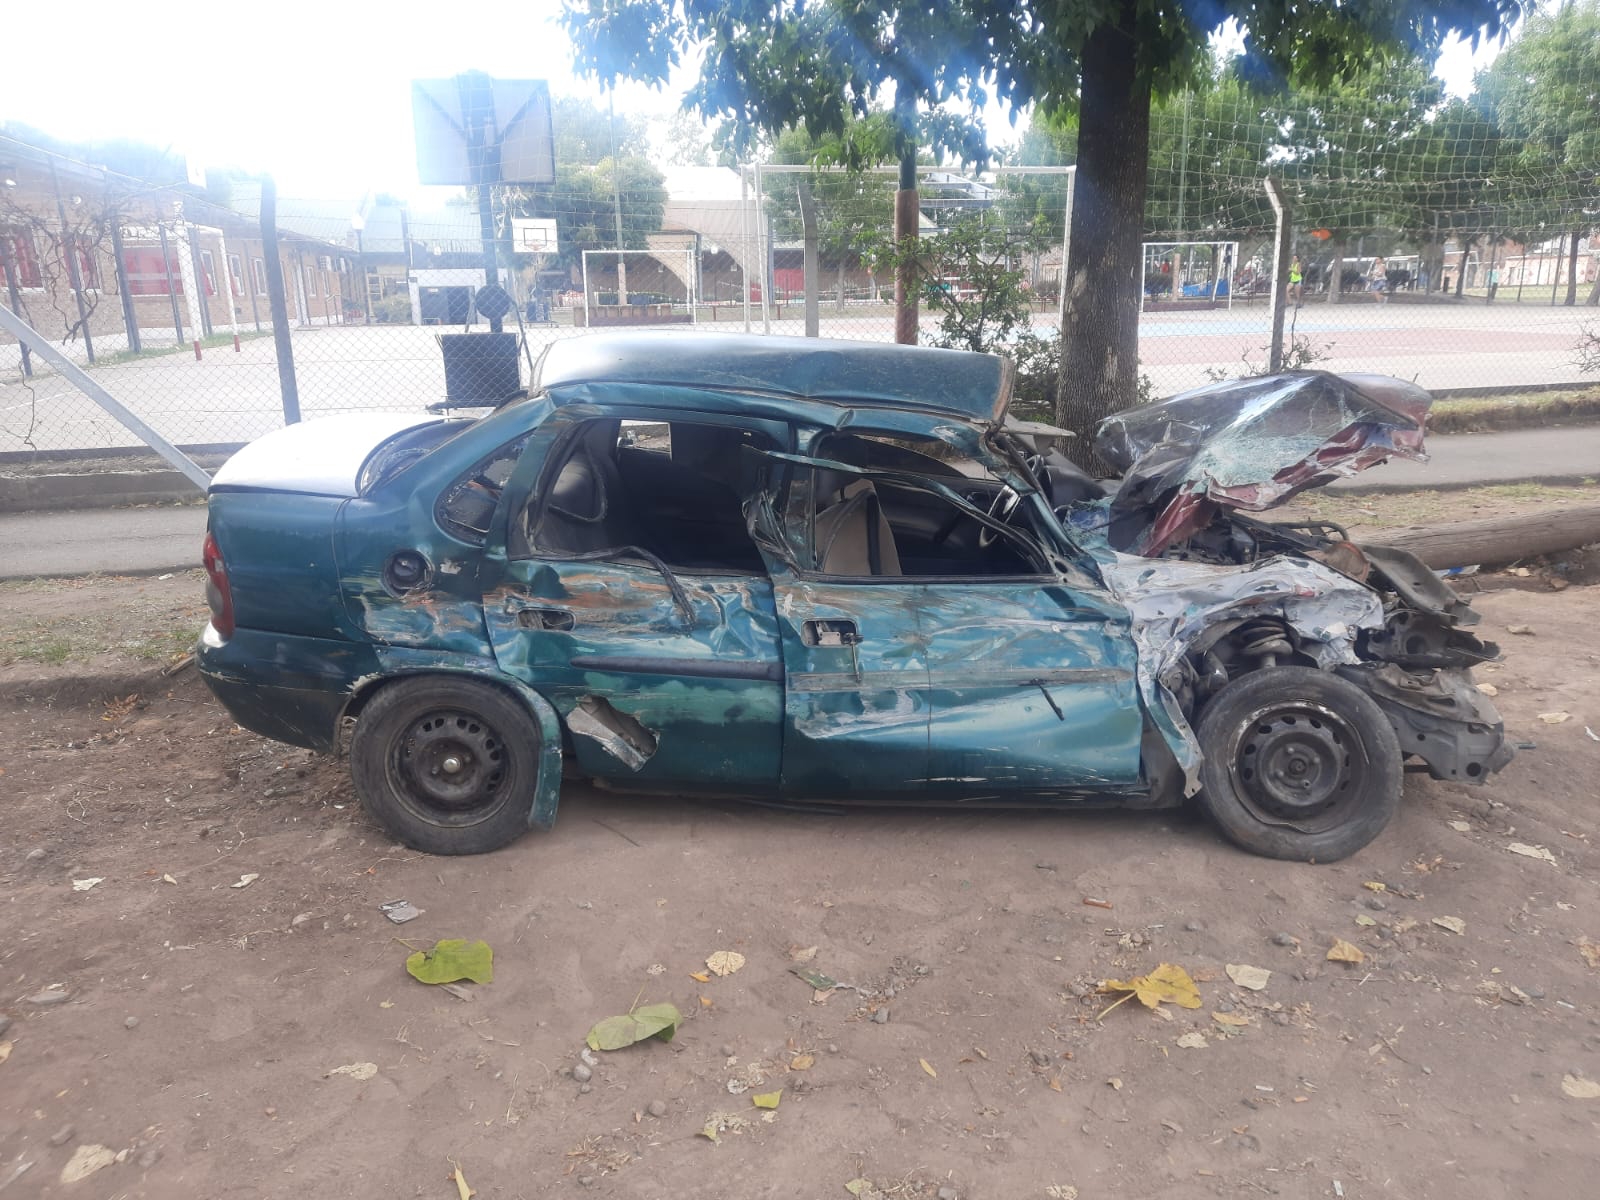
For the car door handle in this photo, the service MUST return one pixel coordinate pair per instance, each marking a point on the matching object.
(534, 616)
(830, 632)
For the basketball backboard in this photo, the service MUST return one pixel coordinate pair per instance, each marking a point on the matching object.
(533, 235)
(473, 129)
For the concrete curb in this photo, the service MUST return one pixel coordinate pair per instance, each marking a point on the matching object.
(99, 489)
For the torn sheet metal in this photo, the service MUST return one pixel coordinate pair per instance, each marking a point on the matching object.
(1252, 444)
(618, 734)
(1172, 603)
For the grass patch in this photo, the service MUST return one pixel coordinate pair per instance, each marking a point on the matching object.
(1385, 510)
(1517, 410)
(118, 357)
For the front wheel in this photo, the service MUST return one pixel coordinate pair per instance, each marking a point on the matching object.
(1299, 764)
(446, 765)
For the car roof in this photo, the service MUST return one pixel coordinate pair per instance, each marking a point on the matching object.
(956, 383)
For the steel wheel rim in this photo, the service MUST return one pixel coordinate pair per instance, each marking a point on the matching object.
(1298, 764)
(450, 767)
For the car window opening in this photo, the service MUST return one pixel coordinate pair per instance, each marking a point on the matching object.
(671, 489)
(886, 527)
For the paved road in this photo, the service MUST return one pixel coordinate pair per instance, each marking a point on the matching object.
(1562, 455)
(234, 397)
(110, 541)
(153, 540)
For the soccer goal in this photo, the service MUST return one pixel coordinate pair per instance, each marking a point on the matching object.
(1191, 274)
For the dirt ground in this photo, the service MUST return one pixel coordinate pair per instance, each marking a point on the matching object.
(203, 1023)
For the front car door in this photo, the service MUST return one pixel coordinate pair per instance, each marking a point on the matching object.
(933, 649)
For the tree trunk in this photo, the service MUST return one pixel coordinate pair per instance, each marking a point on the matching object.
(907, 214)
(1495, 540)
(838, 292)
(1461, 270)
(808, 253)
(1336, 272)
(1572, 270)
(1100, 324)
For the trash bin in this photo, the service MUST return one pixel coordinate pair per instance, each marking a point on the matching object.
(480, 368)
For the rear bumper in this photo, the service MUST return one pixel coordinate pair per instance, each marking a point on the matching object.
(289, 688)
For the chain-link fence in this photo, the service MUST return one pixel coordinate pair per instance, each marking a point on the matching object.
(1423, 244)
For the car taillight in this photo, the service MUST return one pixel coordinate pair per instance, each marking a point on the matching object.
(218, 594)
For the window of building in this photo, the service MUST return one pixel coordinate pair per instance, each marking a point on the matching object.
(208, 264)
(146, 274)
(236, 274)
(22, 257)
(258, 268)
(311, 279)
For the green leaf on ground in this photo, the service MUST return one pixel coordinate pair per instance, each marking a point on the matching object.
(453, 959)
(658, 1021)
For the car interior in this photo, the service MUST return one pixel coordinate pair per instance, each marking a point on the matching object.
(674, 490)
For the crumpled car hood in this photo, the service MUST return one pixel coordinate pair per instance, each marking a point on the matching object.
(1250, 444)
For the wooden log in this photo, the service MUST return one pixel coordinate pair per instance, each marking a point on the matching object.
(1496, 540)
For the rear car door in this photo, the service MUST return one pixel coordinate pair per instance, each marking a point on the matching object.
(632, 598)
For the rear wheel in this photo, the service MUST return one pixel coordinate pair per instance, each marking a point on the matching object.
(1299, 764)
(446, 765)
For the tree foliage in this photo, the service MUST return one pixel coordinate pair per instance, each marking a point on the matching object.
(774, 64)
(599, 161)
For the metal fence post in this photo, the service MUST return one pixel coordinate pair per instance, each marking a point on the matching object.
(279, 305)
(16, 307)
(1280, 272)
(130, 318)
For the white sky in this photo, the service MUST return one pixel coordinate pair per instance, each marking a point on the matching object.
(318, 93)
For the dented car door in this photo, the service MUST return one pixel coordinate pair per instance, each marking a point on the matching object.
(930, 684)
(661, 676)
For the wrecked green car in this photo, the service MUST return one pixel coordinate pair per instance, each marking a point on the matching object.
(808, 571)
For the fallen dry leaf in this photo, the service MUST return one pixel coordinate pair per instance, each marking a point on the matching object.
(1246, 976)
(83, 885)
(1590, 951)
(767, 1099)
(1525, 630)
(1231, 1019)
(1488, 689)
(1055, 1084)
(700, 976)
(928, 1067)
(1459, 826)
(85, 1161)
(1555, 718)
(1528, 851)
(1115, 1082)
(802, 954)
(1363, 920)
(356, 1070)
(724, 962)
(802, 1062)
(1193, 1041)
(1580, 1088)
(1168, 982)
(5, 1051)
(168, 879)
(1453, 924)
(463, 1190)
(706, 1002)
(1061, 1191)
(1372, 885)
(246, 880)
(1343, 951)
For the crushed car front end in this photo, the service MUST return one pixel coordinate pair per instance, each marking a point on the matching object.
(1216, 593)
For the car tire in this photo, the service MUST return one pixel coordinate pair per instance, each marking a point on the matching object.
(1299, 764)
(446, 765)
